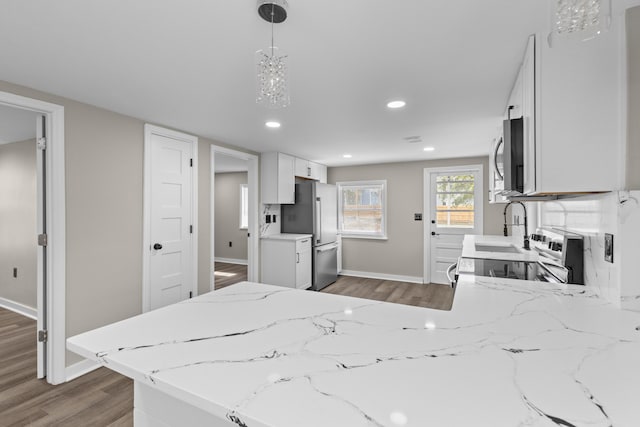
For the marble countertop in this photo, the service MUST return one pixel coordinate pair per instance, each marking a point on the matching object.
(286, 236)
(510, 353)
(470, 241)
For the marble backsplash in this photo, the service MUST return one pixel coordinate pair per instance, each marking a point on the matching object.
(594, 216)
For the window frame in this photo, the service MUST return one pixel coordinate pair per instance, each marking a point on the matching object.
(243, 203)
(364, 234)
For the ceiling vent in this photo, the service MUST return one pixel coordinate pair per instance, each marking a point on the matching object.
(413, 139)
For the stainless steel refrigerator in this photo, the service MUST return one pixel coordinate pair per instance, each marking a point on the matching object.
(316, 212)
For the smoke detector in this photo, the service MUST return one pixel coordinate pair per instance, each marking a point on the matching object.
(273, 10)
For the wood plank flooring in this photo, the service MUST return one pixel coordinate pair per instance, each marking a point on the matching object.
(100, 398)
(105, 398)
(431, 295)
(227, 274)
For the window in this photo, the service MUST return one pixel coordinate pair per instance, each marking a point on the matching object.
(362, 209)
(244, 206)
(455, 200)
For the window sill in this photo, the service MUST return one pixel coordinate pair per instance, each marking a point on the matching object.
(357, 236)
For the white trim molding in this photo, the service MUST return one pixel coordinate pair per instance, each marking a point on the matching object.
(232, 261)
(150, 130)
(52, 282)
(253, 251)
(81, 368)
(382, 276)
(21, 309)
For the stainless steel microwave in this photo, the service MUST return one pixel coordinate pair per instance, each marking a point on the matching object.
(508, 156)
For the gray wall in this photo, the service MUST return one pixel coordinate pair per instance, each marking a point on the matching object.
(227, 218)
(18, 222)
(402, 253)
(104, 171)
(633, 151)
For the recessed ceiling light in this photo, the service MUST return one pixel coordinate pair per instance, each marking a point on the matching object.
(273, 125)
(396, 104)
(347, 156)
(429, 148)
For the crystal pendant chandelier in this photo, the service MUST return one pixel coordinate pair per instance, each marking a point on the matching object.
(272, 87)
(579, 19)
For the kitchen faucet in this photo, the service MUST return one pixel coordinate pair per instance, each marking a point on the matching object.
(526, 231)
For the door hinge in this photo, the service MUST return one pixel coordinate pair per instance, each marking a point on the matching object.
(43, 336)
(191, 229)
(190, 294)
(191, 162)
(42, 240)
(41, 143)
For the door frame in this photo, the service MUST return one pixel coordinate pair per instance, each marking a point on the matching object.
(149, 131)
(253, 254)
(52, 282)
(426, 191)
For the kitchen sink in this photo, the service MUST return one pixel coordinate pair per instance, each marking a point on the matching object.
(497, 248)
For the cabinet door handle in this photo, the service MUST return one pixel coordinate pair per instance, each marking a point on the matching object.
(297, 257)
(308, 171)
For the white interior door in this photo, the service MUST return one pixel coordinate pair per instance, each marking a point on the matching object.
(455, 208)
(171, 276)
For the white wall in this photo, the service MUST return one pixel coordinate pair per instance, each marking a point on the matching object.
(592, 217)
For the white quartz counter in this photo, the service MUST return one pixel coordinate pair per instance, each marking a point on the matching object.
(286, 236)
(510, 353)
(495, 243)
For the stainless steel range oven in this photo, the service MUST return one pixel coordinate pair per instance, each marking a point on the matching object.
(521, 270)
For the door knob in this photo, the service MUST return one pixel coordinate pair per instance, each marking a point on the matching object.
(157, 246)
(433, 233)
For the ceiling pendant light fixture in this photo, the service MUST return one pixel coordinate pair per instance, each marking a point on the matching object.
(578, 20)
(272, 87)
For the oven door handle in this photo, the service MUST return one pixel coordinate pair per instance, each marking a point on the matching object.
(453, 280)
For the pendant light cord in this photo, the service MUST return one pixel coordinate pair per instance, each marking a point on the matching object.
(273, 8)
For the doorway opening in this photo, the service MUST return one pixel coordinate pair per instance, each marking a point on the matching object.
(453, 207)
(234, 219)
(32, 233)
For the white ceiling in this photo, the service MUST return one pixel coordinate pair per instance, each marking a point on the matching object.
(190, 65)
(224, 164)
(16, 124)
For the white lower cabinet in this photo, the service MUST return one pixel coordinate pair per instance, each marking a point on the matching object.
(286, 260)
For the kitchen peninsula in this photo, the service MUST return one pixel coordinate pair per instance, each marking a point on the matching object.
(510, 352)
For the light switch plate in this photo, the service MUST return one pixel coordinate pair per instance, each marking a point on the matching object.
(608, 247)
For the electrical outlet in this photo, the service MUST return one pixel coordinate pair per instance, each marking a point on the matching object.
(608, 247)
(417, 217)
(230, 244)
(268, 219)
(273, 218)
(15, 272)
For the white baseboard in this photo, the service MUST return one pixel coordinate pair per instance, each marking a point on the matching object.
(232, 261)
(81, 368)
(22, 309)
(382, 276)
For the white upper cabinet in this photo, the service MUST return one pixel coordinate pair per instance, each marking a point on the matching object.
(570, 97)
(310, 170)
(277, 180)
(578, 109)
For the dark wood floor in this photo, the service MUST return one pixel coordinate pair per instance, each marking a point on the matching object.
(105, 398)
(439, 297)
(227, 274)
(100, 398)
